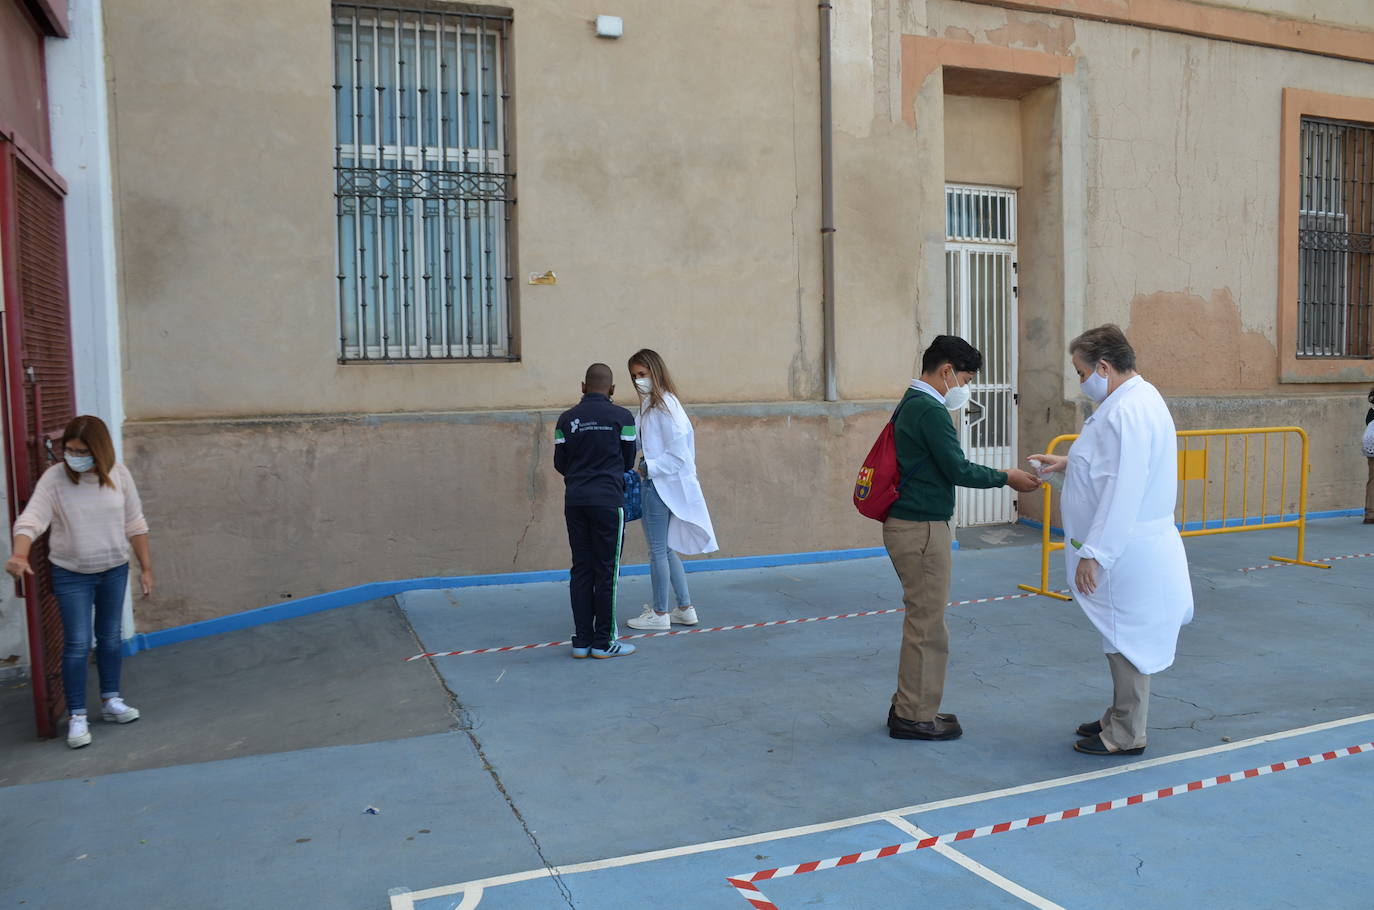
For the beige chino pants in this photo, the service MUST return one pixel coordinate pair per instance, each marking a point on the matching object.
(1369, 493)
(920, 552)
(1123, 726)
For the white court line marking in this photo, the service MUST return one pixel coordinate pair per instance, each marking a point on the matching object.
(745, 884)
(472, 896)
(802, 830)
(977, 868)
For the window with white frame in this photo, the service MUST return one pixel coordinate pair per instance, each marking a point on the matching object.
(424, 186)
(1335, 229)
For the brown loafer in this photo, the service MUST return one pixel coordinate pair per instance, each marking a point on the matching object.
(934, 730)
(947, 718)
(1091, 728)
(1094, 745)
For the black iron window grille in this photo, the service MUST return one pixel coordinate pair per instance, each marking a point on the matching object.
(423, 182)
(1335, 229)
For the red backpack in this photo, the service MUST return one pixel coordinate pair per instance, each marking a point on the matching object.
(880, 480)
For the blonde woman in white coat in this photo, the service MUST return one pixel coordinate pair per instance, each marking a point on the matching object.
(675, 516)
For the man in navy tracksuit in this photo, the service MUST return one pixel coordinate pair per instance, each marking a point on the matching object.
(593, 447)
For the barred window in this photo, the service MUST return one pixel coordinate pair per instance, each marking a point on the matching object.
(1335, 227)
(423, 182)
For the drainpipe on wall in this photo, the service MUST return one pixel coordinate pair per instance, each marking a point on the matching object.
(827, 213)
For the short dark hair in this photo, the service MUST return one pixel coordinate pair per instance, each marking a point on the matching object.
(1106, 342)
(599, 378)
(952, 350)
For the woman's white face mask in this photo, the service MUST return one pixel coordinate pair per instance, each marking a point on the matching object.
(644, 384)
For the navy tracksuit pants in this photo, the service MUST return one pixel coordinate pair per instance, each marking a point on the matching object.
(594, 536)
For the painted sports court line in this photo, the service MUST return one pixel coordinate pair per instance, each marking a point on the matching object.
(406, 900)
(745, 885)
(996, 879)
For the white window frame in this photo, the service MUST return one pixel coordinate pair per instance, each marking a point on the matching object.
(438, 301)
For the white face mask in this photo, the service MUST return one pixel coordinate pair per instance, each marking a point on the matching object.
(957, 397)
(80, 463)
(1095, 387)
(644, 384)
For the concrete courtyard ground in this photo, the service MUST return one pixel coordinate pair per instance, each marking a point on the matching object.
(247, 781)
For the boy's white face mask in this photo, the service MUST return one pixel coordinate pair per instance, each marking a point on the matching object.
(958, 396)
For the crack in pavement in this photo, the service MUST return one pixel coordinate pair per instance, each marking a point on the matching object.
(464, 726)
(1211, 715)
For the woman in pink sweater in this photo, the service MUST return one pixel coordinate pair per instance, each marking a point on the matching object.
(92, 506)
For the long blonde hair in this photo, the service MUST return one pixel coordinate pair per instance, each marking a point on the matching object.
(660, 382)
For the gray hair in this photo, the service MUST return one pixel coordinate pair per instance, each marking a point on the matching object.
(1106, 342)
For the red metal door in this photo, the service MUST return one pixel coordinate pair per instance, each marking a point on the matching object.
(40, 388)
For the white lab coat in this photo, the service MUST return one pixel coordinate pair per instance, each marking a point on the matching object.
(670, 453)
(1118, 508)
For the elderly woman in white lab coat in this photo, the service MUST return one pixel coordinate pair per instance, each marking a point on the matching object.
(675, 516)
(1123, 552)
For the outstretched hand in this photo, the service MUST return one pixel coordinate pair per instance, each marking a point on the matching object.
(1022, 481)
(1049, 464)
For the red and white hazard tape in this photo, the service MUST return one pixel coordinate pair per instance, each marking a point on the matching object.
(789, 622)
(752, 625)
(745, 886)
(1286, 565)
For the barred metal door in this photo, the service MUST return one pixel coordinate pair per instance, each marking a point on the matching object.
(41, 391)
(980, 305)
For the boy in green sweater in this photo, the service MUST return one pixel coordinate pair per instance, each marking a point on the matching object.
(917, 533)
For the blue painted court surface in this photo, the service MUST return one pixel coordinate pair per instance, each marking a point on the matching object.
(1296, 838)
(651, 781)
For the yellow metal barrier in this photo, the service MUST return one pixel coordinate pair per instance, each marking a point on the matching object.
(1198, 466)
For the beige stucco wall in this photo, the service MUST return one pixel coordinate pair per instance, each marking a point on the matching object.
(671, 180)
(1179, 222)
(1351, 13)
(982, 141)
(1181, 169)
(673, 222)
(282, 509)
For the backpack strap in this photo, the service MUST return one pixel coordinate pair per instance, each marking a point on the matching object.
(893, 419)
(910, 474)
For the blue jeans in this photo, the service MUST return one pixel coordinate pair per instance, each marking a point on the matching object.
(78, 593)
(665, 566)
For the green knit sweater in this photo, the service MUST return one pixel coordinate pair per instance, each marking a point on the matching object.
(925, 434)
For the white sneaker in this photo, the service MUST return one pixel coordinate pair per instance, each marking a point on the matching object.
(650, 621)
(78, 731)
(117, 712)
(684, 616)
